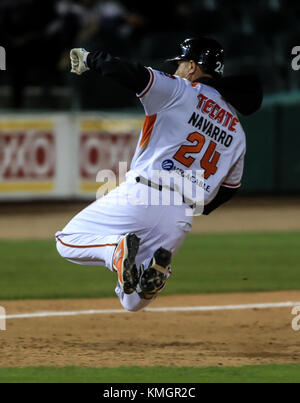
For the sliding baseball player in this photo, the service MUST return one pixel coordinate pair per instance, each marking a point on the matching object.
(191, 125)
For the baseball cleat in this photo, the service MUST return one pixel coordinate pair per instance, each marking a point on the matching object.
(124, 262)
(153, 279)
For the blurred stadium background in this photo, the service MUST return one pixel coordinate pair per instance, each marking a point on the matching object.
(58, 130)
(257, 36)
(38, 35)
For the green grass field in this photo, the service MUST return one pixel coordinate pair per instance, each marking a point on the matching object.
(206, 264)
(254, 373)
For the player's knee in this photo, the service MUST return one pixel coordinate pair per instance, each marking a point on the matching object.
(133, 303)
(133, 308)
(61, 249)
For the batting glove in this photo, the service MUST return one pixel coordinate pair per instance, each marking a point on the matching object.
(78, 58)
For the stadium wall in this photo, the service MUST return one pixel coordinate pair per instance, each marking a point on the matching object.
(57, 156)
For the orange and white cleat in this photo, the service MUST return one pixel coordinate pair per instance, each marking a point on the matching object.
(124, 262)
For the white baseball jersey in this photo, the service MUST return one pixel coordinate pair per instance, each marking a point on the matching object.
(189, 126)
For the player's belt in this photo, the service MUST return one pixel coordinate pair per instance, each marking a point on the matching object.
(148, 182)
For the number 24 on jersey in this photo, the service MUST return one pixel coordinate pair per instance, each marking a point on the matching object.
(209, 160)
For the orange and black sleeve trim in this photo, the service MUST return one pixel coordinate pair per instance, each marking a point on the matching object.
(231, 185)
(146, 90)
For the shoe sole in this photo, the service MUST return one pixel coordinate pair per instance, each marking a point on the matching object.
(153, 280)
(130, 275)
(163, 257)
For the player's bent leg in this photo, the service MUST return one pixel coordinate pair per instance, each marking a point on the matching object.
(115, 252)
(168, 237)
(124, 262)
(150, 282)
(131, 302)
(87, 249)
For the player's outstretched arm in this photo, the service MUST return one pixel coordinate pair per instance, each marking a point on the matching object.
(129, 74)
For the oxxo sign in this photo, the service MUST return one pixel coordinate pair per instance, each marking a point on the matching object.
(59, 155)
(27, 155)
(103, 143)
(104, 151)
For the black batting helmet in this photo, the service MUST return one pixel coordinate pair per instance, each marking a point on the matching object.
(206, 52)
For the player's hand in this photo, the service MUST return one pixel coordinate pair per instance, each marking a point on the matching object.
(78, 60)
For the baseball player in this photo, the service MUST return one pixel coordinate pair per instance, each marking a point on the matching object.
(190, 124)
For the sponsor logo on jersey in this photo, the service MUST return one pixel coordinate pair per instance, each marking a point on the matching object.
(167, 165)
(215, 112)
(188, 175)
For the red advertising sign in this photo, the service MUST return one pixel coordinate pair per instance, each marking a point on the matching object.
(27, 155)
(104, 150)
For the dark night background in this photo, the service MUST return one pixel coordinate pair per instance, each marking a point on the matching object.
(38, 35)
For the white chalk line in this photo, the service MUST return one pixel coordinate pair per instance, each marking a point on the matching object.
(165, 309)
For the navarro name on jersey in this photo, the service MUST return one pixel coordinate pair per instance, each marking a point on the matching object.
(220, 115)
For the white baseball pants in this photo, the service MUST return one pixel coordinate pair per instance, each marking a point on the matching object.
(91, 237)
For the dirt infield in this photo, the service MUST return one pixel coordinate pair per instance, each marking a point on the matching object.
(231, 337)
(42, 220)
(190, 338)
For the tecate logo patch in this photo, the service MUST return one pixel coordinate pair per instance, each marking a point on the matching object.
(167, 165)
